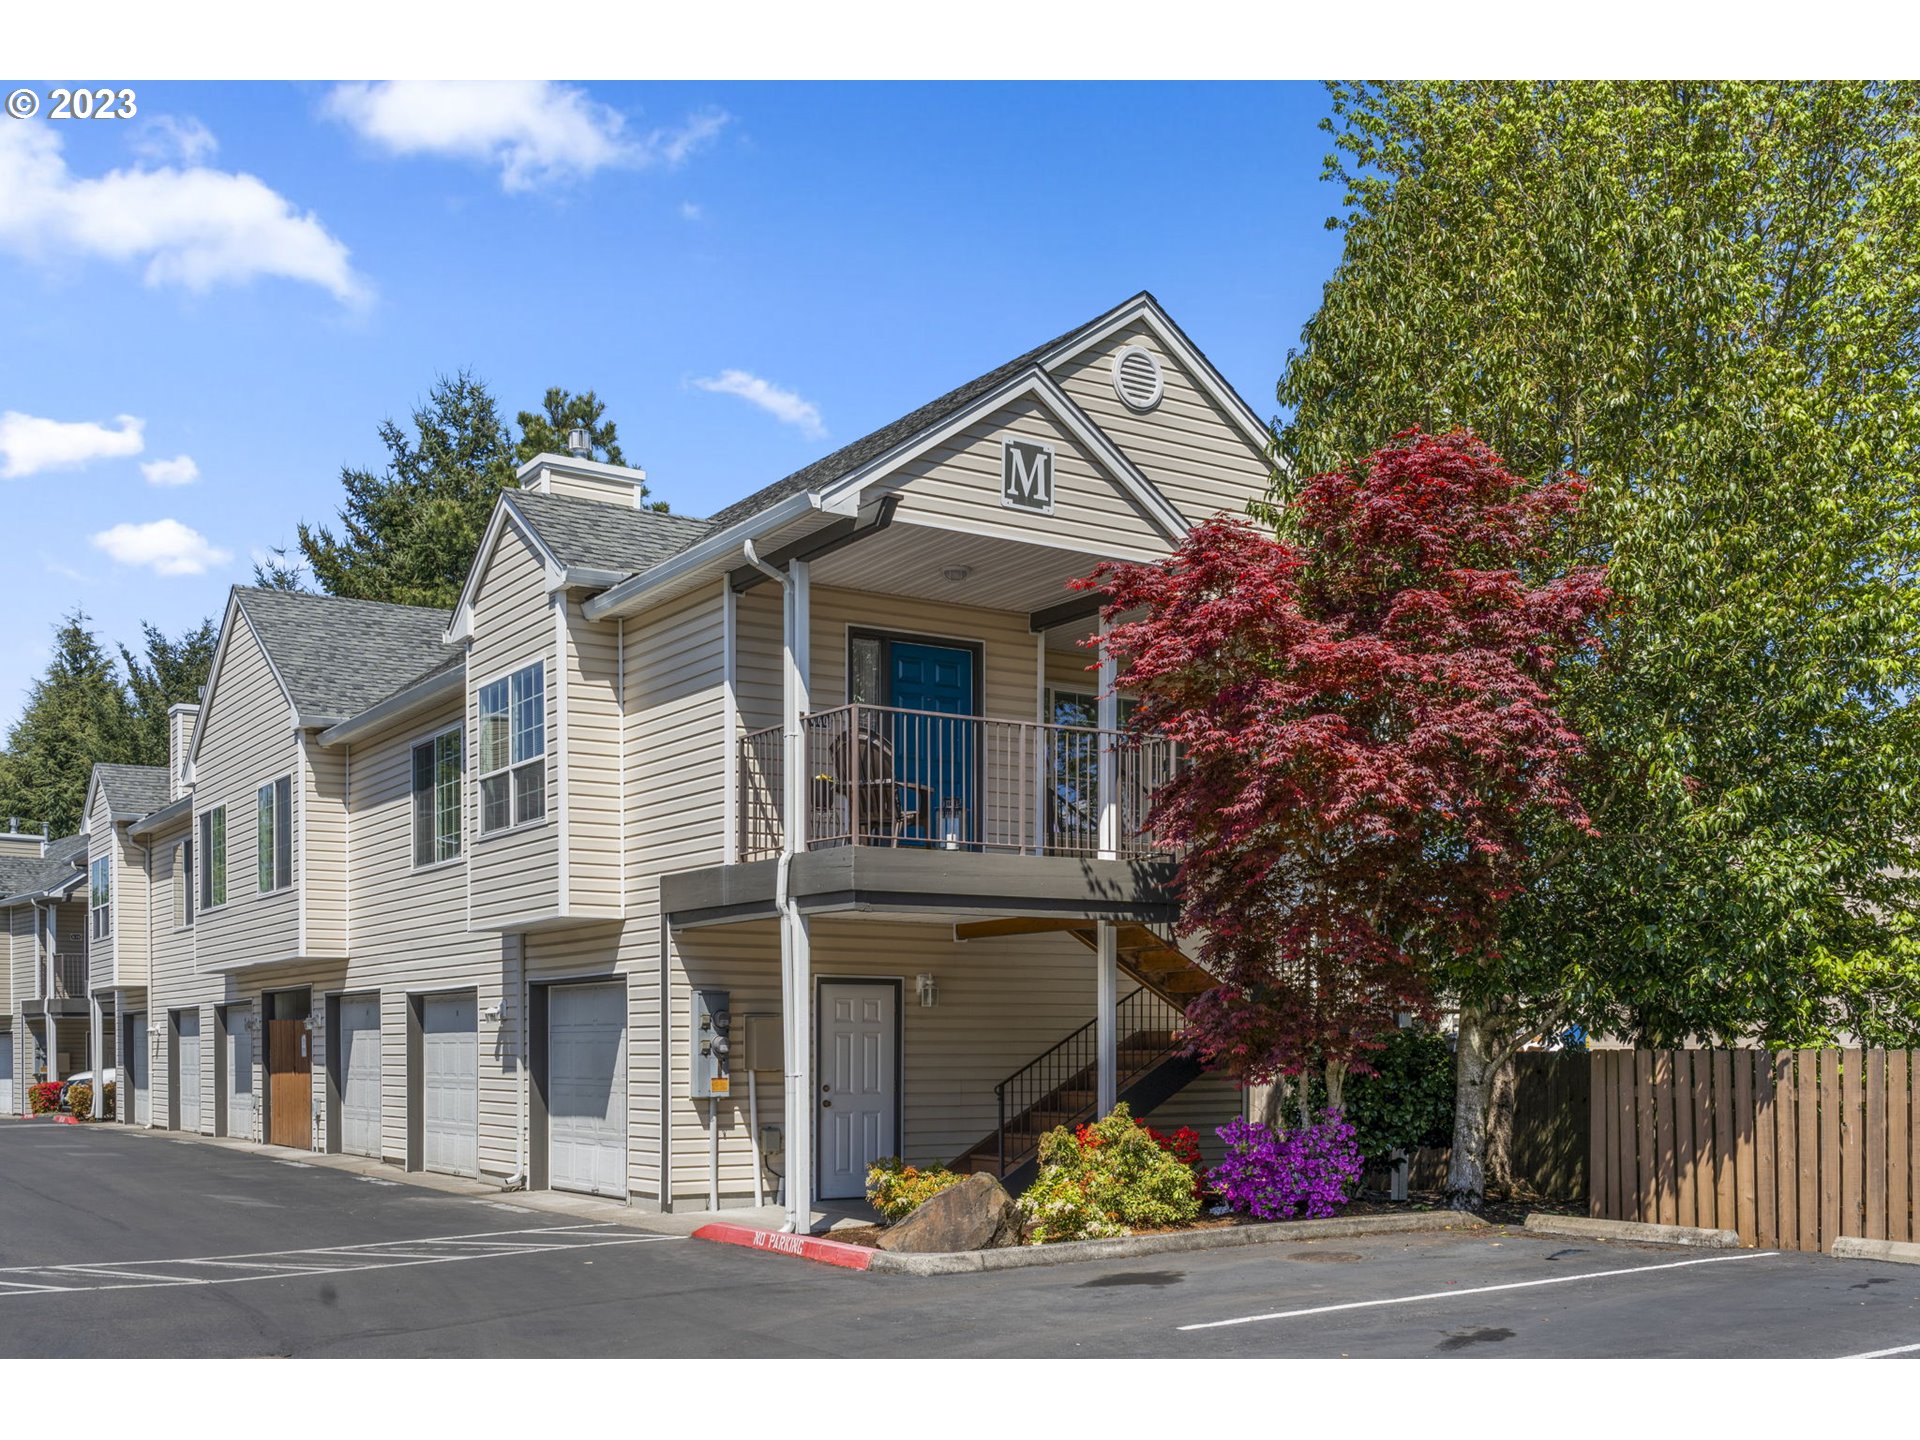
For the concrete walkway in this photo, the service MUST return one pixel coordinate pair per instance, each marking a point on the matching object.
(551, 1202)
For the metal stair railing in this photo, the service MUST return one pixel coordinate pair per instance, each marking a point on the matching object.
(1074, 1060)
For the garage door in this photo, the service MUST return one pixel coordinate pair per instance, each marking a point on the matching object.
(240, 1106)
(135, 1046)
(360, 1074)
(451, 1084)
(6, 1072)
(187, 1067)
(587, 1089)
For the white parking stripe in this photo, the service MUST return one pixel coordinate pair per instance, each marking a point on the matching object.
(1476, 1290)
(291, 1264)
(1881, 1354)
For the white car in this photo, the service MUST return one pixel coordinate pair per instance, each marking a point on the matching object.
(85, 1077)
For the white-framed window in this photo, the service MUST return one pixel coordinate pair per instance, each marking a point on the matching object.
(182, 884)
(100, 896)
(213, 858)
(438, 765)
(513, 750)
(273, 808)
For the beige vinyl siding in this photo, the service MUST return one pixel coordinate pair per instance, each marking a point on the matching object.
(1002, 1003)
(1186, 445)
(591, 734)
(173, 982)
(673, 821)
(956, 485)
(180, 722)
(589, 487)
(408, 936)
(320, 872)
(513, 875)
(101, 842)
(21, 958)
(247, 741)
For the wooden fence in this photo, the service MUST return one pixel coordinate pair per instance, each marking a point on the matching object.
(1791, 1148)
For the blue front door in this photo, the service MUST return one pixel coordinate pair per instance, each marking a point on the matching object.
(931, 755)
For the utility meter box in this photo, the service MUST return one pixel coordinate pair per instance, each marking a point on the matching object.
(764, 1049)
(712, 1045)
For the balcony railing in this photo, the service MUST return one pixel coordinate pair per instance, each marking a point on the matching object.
(69, 977)
(879, 775)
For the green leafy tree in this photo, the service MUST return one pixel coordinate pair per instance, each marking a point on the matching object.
(545, 432)
(76, 714)
(171, 672)
(278, 569)
(1704, 298)
(409, 533)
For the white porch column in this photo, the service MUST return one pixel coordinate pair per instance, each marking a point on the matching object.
(96, 1043)
(52, 988)
(796, 957)
(730, 721)
(1107, 1017)
(1109, 721)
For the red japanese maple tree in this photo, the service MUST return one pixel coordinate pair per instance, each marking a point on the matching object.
(1370, 736)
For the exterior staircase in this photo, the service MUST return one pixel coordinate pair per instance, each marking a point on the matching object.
(1059, 1087)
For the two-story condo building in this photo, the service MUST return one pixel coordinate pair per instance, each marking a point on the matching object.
(45, 1031)
(696, 862)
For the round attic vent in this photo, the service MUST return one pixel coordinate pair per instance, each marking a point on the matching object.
(1137, 379)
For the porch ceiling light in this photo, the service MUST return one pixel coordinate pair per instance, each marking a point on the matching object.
(954, 574)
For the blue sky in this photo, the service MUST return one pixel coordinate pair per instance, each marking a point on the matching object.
(851, 250)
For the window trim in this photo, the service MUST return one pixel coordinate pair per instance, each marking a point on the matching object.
(476, 750)
(204, 867)
(413, 798)
(182, 887)
(100, 899)
(282, 835)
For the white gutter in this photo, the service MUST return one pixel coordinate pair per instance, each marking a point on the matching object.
(689, 562)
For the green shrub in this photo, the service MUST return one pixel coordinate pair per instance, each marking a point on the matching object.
(896, 1190)
(1105, 1179)
(1408, 1101)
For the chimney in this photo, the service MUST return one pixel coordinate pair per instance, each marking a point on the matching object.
(19, 842)
(181, 720)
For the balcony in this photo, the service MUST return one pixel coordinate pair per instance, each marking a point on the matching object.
(69, 977)
(895, 778)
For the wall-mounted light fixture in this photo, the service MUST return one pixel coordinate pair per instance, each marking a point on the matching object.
(929, 992)
(492, 1012)
(954, 574)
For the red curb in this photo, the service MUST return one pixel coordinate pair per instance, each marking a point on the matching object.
(778, 1242)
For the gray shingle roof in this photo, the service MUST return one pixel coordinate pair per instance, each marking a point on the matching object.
(29, 874)
(338, 657)
(869, 447)
(599, 536)
(133, 789)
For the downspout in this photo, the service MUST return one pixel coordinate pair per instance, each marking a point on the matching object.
(518, 1180)
(782, 891)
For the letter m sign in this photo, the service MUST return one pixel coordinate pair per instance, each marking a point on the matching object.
(1026, 476)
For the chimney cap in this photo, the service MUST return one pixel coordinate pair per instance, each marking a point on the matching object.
(579, 443)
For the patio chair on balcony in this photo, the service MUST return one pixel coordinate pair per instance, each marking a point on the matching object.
(862, 782)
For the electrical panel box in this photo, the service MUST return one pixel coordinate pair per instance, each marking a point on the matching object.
(765, 1048)
(712, 1045)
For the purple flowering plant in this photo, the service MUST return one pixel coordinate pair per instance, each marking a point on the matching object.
(1307, 1172)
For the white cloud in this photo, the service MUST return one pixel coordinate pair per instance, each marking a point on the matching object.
(690, 211)
(783, 404)
(178, 471)
(165, 547)
(535, 131)
(164, 138)
(31, 444)
(190, 225)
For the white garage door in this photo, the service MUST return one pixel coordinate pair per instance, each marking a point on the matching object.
(451, 1084)
(360, 1074)
(135, 1047)
(187, 1067)
(587, 1089)
(6, 1072)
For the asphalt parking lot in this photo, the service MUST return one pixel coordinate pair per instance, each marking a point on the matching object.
(118, 1244)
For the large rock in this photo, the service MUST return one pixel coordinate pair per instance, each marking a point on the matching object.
(976, 1214)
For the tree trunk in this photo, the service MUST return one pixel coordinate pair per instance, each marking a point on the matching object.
(1336, 1085)
(1474, 1066)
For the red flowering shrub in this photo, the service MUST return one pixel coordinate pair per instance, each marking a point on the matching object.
(44, 1098)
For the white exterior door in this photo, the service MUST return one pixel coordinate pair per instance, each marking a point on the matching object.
(134, 1046)
(360, 1074)
(450, 1084)
(859, 1088)
(6, 1072)
(187, 1066)
(240, 1091)
(587, 1089)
